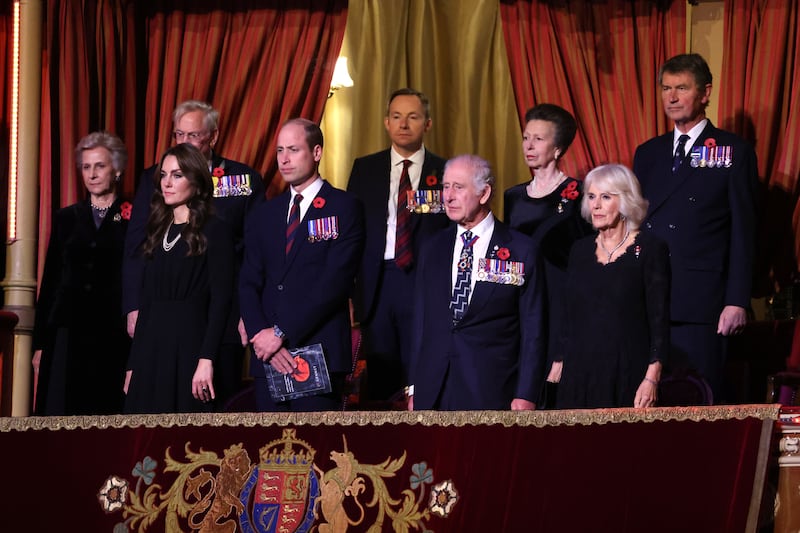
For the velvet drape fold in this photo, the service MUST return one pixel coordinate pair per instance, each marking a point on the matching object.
(123, 65)
(451, 50)
(759, 100)
(598, 60)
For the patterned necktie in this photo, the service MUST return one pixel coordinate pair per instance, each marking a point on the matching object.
(293, 222)
(403, 254)
(680, 153)
(460, 299)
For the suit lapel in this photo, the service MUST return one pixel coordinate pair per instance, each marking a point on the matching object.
(427, 170)
(482, 293)
(666, 184)
(301, 237)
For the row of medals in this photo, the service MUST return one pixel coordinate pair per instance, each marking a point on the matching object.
(323, 229)
(425, 201)
(499, 271)
(711, 157)
(232, 185)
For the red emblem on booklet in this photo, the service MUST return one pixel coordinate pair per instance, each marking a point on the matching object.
(503, 254)
(217, 172)
(125, 210)
(318, 202)
(711, 142)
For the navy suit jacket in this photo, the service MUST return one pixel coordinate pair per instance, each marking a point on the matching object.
(369, 181)
(496, 352)
(232, 209)
(305, 293)
(707, 216)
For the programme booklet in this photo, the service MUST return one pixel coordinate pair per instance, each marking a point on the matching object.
(309, 378)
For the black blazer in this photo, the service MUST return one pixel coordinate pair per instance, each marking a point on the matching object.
(82, 272)
(305, 293)
(707, 216)
(369, 181)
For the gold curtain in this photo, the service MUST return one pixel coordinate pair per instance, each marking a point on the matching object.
(453, 51)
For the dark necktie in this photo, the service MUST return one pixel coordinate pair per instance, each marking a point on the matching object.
(460, 299)
(293, 222)
(403, 254)
(680, 153)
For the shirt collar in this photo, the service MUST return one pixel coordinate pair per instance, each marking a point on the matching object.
(417, 158)
(309, 192)
(693, 134)
(483, 228)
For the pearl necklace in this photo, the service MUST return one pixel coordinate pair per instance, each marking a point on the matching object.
(617, 247)
(541, 194)
(101, 211)
(169, 245)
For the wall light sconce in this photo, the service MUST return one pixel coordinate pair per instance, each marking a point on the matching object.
(341, 78)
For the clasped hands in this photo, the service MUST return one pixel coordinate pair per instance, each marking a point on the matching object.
(269, 348)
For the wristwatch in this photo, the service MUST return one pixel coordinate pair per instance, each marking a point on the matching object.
(278, 331)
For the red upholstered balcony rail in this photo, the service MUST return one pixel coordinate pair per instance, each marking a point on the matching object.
(623, 470)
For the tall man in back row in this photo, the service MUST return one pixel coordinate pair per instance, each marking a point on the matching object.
(700, 182)
(385, 282)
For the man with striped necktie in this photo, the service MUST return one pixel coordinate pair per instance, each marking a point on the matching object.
(477, 306)
(302, 250)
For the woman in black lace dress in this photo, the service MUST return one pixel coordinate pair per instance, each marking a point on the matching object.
(615, 336)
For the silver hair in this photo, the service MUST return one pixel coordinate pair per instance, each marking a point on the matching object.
(109, 141)
(210, 120)
(479, 168)
(620, 180)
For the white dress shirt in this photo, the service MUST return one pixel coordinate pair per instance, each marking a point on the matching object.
(309, 193)
(414, 174)
(693, 134)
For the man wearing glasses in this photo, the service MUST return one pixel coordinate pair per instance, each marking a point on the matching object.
(237, 189)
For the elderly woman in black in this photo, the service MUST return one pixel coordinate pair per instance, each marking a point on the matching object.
(186, 292)
(615, 336)
(547, 208)
(79, 339)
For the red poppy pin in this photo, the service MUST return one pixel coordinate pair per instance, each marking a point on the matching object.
(218, 172)
(318, 202)
(125, 210)
(711, 142)
(570, 192)
(432, 180)
(503, 254)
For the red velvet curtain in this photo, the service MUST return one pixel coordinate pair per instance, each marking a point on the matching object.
(123, 65)
(759, 99)
(6, 35)
(598, 60)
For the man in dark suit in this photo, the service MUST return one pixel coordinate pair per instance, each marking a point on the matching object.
(700, 182)
(301, 257)
(477, 306)
(385, 282)
(237, 189)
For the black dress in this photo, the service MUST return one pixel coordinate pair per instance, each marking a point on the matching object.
(617, 322)
(79, 324)
(554, 223)
(185, 302)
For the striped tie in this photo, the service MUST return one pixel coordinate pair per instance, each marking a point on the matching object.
(403, 254)
(293, 222)
(460, 299)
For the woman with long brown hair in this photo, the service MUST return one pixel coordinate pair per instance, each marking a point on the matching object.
(186, 291)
